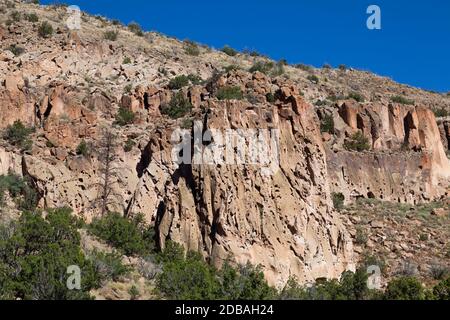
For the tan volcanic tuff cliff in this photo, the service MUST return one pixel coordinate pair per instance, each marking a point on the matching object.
(409, 163)
(71, 85)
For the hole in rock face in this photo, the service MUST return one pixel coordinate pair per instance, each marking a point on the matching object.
(370, 195)
(146, 104)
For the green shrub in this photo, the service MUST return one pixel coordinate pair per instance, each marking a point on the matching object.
(231, 67)
(441, 112)
(127, 89)
(178, 107)
(15, 16)
(107, 266)
(134, 292)
(313, 78)
(405, 288)
(111, 35)
(36, 253)
(439, 272)
(178, 82)
(338, 200)
(229, 51)
(126, 60)
(327, 124)
(136, 29)
(229, 93)
(124, 117)
(129, 144)
(342, 67)
(442, 290)
(326, 66)
(45, 30)
(130, 236)
(83, 149)
(16, 50)
(402, 100)
(19, 189)
(356, 96)
(357, 142)
(278, 69)
(18, 134)
(270, 97)
(32, 17)
(191, 48)
(261, 66)
(192, 278)
(187, 278)
(195, 79)
(304, 67)
(361, 237)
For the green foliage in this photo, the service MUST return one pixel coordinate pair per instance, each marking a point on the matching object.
(136, 29)
(16, 50)
(131, 236)
(111, 35)
(262, 66)
(229, 51)
(124, 117)
(270, 97)
(439, 272)
(327, 124)
(127, 89)
(191, 48)
(15, 16)
(351, 286)
(442, 290)
(231, 67)
(244, 283)
(313, 78)
(402, 100)
(326, 66)
(178, 82)
(269, 68)
(357, 142)
(134, 293)
(178, 107)
(361, 237)
(405, 288)
(195, 79)
(107, 266)
(356, 96)
(187, 278)
(190, 277)
(304, 67)
(83, 149)
(45, 30)
(338, 200)
(441, 112)
(342, 67)
(18, 134)
(229, 93)
(35, 253)
(19, 189)
(126, 60)
(32, 17)
(129, 144)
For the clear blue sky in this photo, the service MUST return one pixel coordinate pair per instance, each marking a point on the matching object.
(413, 46)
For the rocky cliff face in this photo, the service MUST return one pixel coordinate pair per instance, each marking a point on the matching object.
(407, 161)
(70, 87)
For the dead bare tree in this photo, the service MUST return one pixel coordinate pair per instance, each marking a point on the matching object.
(108, 170)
